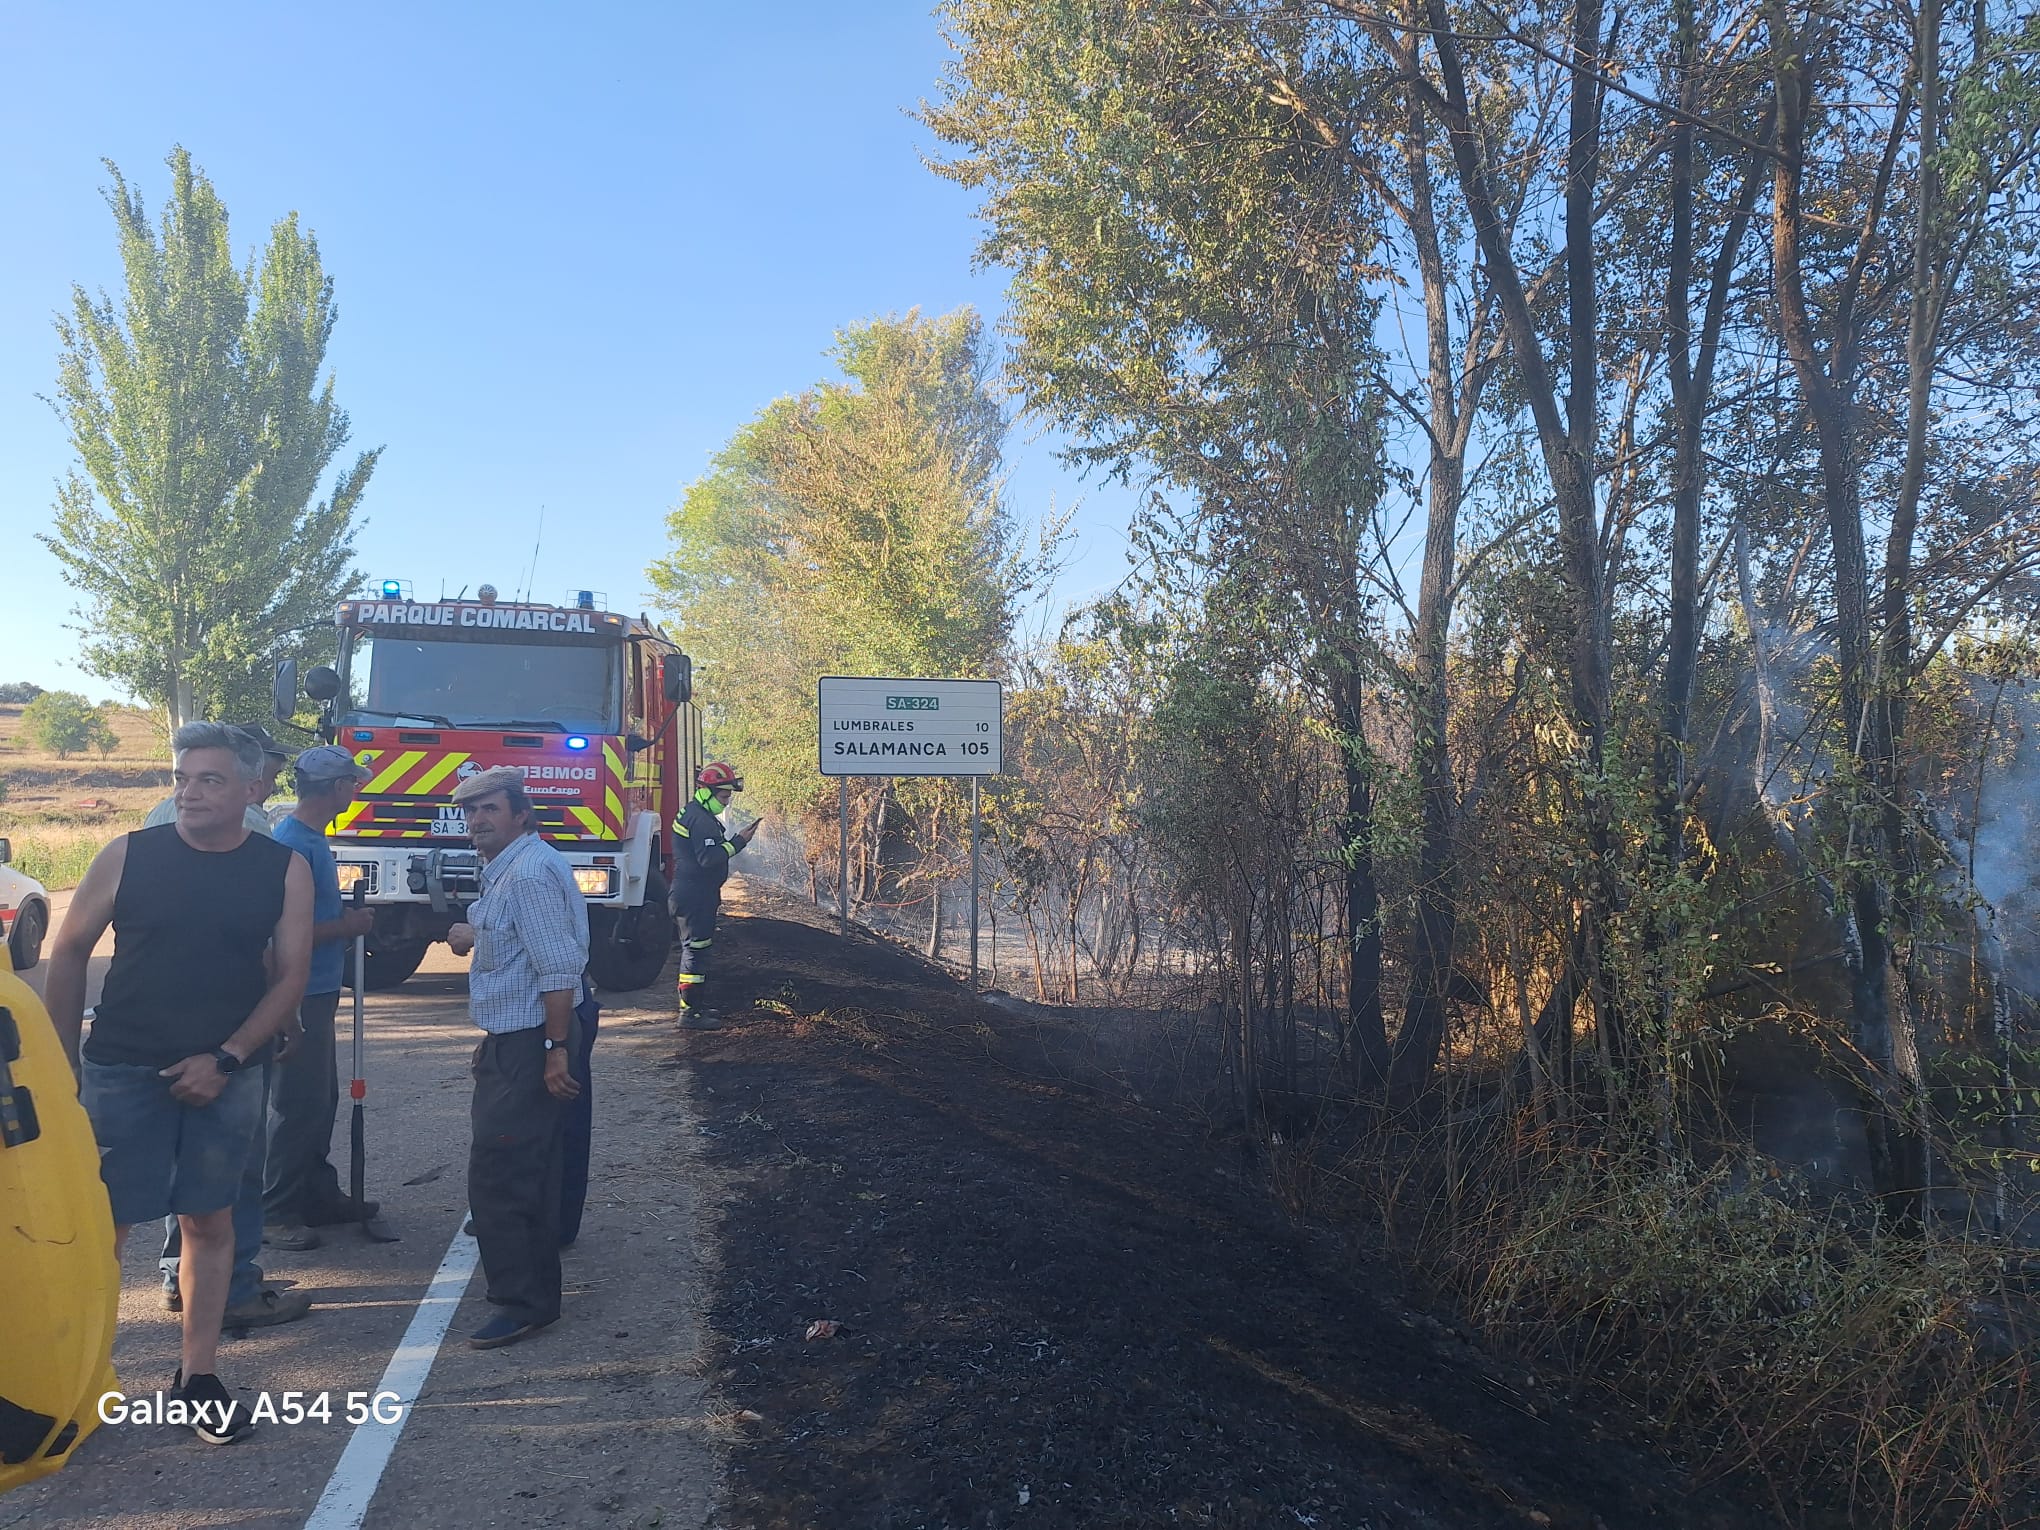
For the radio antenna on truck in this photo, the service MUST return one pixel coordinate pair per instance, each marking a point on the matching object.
(536, 543)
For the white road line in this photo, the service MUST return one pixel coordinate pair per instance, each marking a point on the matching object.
(344, 1504)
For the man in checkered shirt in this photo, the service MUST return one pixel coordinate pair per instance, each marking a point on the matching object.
(529, 935)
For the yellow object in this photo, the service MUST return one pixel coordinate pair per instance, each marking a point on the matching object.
(59, 1281)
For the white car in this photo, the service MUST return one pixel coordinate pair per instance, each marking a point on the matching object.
(24, 912)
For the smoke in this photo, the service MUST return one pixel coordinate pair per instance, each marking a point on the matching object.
(1777, 729)
(2003, 837)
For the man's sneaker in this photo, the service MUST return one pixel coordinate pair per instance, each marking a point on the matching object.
(334, 1213)
(217, 1418)
(173, 1299)
(268, 1308)
(694, 1018)
(292, 1236)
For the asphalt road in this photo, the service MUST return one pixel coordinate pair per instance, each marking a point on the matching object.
(600, 1420)
(95, 970)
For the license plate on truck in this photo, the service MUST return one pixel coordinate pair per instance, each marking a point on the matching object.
(449, 823)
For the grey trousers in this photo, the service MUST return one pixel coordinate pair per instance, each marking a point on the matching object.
(514, 1165)
(304, 1100)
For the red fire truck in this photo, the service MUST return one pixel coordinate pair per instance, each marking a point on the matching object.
(595, 708)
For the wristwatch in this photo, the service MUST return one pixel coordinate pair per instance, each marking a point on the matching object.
(550, 1044)
(225, 1061)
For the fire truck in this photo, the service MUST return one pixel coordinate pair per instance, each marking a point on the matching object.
(596, 709)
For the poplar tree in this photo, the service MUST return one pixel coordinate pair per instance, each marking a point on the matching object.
(192, 524)
(854, 528)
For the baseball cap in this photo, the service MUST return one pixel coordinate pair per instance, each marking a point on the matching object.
(262, 736)
(329, 762)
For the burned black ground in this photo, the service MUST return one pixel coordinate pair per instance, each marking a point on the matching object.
(1060, 1307)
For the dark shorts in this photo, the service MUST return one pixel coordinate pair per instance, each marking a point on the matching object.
(159, 1156)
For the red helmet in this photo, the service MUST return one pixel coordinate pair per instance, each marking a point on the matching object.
(715, 774)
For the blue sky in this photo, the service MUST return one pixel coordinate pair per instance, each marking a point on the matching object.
(574, 249)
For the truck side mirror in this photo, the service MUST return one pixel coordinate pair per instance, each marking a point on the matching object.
(322, 683)
(676, 675)
(283, 691)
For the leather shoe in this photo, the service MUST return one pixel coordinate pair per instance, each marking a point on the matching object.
(294, 1237)
(268, 1308)
(337, 1213)
(502, 1329)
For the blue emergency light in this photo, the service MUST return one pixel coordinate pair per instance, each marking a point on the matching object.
(393, 589)
(584, 599)
(577, 742)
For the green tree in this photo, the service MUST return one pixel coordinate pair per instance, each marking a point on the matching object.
(105, 737)
(1199, 237)
(63, 722)
(203, 431)
(854, 528)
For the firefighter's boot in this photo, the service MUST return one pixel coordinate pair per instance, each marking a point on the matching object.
(695, 1015)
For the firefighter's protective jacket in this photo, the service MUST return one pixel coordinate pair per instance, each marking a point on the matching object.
(701, 851)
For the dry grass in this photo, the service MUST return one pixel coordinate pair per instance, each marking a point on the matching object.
(1885, 1379)
(58, 812)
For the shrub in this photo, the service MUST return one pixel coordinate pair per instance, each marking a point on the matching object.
(63, 722)
(16, 692)
(57, 858)
(1774, 1337)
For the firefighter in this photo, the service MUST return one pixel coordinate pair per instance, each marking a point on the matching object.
(701, 863)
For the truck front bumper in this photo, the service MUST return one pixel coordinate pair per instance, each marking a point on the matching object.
(440, 879)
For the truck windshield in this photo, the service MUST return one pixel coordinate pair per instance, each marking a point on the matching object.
(393, 677)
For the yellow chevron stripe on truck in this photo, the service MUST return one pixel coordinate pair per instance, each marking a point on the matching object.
(389, 773)
(437, 773)
(352, 813)
(616, 785)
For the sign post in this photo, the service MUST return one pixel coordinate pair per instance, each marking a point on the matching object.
(878, 726)
(973, 882)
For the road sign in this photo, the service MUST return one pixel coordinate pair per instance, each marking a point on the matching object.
(882, 727)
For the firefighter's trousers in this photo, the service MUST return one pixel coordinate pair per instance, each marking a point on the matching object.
(696, 917)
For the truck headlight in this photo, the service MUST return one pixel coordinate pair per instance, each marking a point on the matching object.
(355, 872)
(595, 881)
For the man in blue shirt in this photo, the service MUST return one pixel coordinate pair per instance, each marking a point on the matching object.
(301, 1189)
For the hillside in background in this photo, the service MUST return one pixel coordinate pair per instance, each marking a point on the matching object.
(59, 812)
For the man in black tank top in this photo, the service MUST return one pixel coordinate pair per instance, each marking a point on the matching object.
(190, 997)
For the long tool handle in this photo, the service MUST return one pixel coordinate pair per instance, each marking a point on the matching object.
(358, 1088)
